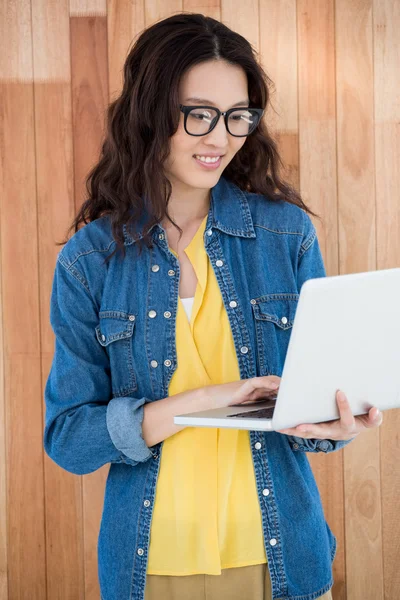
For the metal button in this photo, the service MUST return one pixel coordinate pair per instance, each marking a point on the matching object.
(219, 263)
(171, 272)
(233, 304)
(257, 445)
(155, 268)
(154, 363)
(167, 362)
(103, 337)
(167, 314)
(209, 232)
(132, 317)
(140, 551)
(253, 301)
(273, 542)
(296, 446)
(244, 349)
(284, 320)
(161, 236)
(265, 492)
(152, 314)
(146, 503)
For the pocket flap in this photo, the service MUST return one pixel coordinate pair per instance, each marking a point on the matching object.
(276, 308)
(114, 325)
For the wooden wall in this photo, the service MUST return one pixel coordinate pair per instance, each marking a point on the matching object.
(335, 65)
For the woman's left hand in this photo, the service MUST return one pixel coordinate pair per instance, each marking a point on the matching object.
(345, 428)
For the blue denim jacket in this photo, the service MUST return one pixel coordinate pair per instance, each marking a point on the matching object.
(113, 321)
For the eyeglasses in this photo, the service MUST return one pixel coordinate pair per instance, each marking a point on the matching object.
(200, 120)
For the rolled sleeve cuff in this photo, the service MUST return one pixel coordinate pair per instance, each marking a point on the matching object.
(124, 423)
(316, 445)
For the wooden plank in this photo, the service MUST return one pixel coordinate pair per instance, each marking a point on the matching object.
(386, 24)
(357, 252)
(210, 8)
(318, 171)
(90, 97)
(125, 22)
(278, 56)
(22, 519)
(242, 17)
(87, 8)
(63, 503)
(155, 10)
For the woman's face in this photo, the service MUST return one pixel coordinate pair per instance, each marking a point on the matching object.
(221, 85)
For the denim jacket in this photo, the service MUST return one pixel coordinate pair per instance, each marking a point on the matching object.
(115, 350)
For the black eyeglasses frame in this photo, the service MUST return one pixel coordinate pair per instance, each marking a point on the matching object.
(186, 110)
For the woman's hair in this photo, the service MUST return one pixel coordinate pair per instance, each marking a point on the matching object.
(129, 180)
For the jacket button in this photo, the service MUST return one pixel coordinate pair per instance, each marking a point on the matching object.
(253, 301)
(284, 320)
(167, 314)
(265, 492)
(161, 236)
(155, 268)
(273, 542)
(167, 362)
(146, 503)
(103, 337)
(296, 446)
(244, 349)
(171, 272)
(132, 317)
(152, 314)
(233, 304)
(209, 232)
(257, 445)
(154, 363)
(219, 263)
(140, 551)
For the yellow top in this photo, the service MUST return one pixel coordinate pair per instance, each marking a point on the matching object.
(206, 515)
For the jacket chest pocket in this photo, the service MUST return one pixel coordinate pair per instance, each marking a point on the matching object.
(114, 332)
(274, 316)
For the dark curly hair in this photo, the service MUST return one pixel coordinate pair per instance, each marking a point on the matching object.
(140, 122)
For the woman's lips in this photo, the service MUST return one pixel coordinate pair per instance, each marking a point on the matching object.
(211, 165)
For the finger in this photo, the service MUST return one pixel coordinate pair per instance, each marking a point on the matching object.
(309, 430)
(375, 417)
(265, 382)
(347, 421)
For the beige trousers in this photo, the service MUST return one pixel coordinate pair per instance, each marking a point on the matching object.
(241, 583)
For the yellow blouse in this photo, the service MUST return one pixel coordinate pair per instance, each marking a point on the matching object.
(206, 515)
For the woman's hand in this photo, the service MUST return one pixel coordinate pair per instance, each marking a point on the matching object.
(244, 391)
(345, 428)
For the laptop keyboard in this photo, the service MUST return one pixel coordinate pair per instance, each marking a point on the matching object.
(262, 413)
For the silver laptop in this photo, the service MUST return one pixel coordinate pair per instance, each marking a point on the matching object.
(345, 335)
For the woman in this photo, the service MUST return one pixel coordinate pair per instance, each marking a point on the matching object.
(215, 249)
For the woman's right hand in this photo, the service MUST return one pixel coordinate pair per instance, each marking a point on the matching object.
(242, 392)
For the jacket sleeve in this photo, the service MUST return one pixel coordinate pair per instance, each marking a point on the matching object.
(85, 427)
(310, 266)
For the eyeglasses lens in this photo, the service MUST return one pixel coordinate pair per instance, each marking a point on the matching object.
(240, 122)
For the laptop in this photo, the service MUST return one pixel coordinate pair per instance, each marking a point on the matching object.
(345, 335)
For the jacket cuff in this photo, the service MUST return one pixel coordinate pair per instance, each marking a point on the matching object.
(316, 445)
(124, 423)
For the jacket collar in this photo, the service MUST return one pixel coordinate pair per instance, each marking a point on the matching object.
(229, 212)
